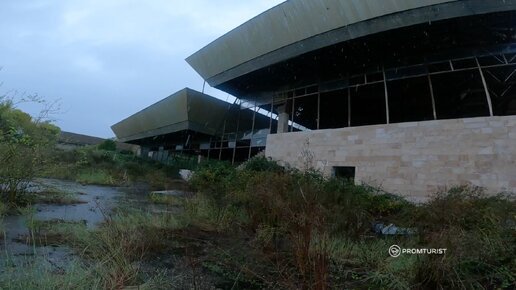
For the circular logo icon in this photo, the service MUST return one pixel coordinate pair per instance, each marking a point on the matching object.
(395, 251)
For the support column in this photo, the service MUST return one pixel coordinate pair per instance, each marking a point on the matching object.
(272, 111)
(236, 136)
(283, 119)
(209, 149)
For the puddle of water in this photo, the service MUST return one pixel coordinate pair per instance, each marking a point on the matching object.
(99, 201)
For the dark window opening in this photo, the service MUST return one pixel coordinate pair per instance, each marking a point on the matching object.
(501, 82)
(305, 111)
(439, 67)
(357, 80)
(346, 172)
(368, 105)
(241, 154)
(300, 92)
(491, 60)
(274, 127)
(312, 90)
(511, 57)
(334, 110)
(410, 100)
(459, 95)
(464, 63)
(404, 72)
(374, 77)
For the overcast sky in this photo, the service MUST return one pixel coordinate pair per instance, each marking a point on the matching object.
(108, 59)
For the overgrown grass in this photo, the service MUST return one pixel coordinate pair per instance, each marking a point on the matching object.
(57, 197)
(98, 177)
(112, 255)
(3, 209)
(267, 227)
(39, 275)
(167, 199)
(91, 165)
(315, 233)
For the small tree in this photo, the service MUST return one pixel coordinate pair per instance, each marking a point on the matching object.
(24, 147)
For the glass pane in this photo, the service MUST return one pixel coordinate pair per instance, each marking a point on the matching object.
(459, 95)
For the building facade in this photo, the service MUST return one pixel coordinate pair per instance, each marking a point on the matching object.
(407, 95)
(195, 124)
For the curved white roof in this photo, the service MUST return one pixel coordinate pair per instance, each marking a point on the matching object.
(299, 26)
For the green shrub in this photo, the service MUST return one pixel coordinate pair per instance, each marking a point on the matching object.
(215, 179)
(286, 208)
(387, 205)
(478, 232)
(301, 216)
(108, 145)
(261, 163)
(24, 147)
(166, 199)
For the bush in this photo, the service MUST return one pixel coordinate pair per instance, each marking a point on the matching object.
(214, 179)
(95, 166)
(299, 219)
(24, 149)
(478, 232)
(293, 214)
(108, 145)
(261, 163)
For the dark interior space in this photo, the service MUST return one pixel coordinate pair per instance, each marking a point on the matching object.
(410, 100)
(419, 44)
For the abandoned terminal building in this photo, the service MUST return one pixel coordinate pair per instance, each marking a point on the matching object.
(190, 122)
(410, 95)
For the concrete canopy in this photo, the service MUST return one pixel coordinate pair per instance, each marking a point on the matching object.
(296, 27)
(184, 110)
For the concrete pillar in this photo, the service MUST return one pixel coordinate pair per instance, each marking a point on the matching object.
(283, 118)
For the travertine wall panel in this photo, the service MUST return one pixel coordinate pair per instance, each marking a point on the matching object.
(412, 159)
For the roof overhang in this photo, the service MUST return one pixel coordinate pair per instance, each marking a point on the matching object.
(296, 27)
(184, 110)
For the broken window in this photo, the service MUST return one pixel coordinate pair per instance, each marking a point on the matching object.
(305, 112)
(464, 63)
(410, 100)
(368, 105)
(501, 82)
(404, 72)
(459, 95)
(334, 109)
(511, 57)
(346, 172)
(495, 59)
(439, 67)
